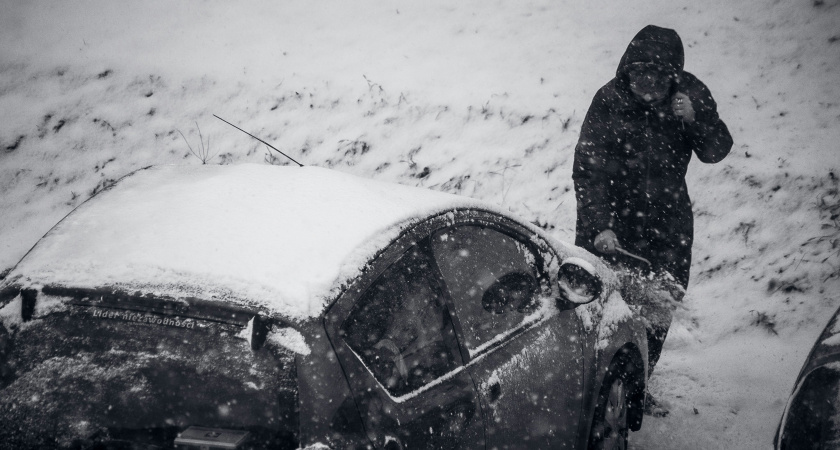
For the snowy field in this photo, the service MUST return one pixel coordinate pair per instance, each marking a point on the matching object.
(478, 98)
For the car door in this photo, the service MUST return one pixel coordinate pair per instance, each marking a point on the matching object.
(396, 343)
(523, 353)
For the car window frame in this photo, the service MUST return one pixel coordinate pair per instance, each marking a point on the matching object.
(447, 337)
(340, 309)
(545, 279)
(383, 414)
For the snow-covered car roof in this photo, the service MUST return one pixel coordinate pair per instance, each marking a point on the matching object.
(281, 238)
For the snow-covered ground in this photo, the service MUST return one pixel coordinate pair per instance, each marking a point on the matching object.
(478, 98)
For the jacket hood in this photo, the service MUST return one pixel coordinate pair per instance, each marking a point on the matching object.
(653, 44)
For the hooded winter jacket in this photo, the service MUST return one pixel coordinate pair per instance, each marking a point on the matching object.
(632, 157)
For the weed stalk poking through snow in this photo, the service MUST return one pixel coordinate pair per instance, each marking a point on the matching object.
(201, 152)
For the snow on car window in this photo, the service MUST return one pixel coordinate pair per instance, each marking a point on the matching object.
(291, 339)
(11, 313)
(316, 446)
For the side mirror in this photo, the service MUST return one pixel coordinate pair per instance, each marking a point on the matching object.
(578, 284)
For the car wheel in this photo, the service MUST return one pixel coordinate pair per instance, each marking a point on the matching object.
(609, 427)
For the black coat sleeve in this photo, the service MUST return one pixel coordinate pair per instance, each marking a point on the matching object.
(709, 136)
(593, 171)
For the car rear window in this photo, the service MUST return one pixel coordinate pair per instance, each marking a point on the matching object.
(89, 373)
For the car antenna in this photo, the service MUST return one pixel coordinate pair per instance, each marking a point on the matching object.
(264, 142)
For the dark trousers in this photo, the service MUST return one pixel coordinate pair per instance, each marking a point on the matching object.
(655, 339)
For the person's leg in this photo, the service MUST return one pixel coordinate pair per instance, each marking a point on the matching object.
(658, 318)
(658, 313)
(663, 294)
(656, 295)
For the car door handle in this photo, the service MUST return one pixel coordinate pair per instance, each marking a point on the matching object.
(495, 391)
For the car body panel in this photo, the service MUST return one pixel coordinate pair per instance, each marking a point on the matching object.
(533, 382)
(826, 349)
(628, 343)
(823, 363)
(508, 343)
(81, 369)
(554, 409)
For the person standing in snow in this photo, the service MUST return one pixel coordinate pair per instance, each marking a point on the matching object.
(630, 164)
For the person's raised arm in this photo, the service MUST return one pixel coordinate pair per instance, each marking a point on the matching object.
(709, 136)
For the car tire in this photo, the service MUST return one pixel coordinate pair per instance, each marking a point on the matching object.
(610, 425)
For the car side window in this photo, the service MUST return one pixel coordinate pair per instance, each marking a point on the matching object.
(400, 326)
(492, 278)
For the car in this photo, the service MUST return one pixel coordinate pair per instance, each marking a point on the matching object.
(259, 306)
(809, 420)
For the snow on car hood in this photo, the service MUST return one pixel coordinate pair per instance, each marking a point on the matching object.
(281, 238)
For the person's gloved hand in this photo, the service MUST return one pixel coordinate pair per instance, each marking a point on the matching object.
(682, 107)
(606, 242)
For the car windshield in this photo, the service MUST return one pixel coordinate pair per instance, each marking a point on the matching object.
(94, 374)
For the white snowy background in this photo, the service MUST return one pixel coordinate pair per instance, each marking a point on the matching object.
(479, 98)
